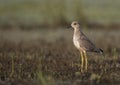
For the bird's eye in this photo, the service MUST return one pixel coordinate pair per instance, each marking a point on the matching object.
(75, 23)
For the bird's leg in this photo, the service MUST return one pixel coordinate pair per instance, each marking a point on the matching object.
(86, 61)
(82, 61)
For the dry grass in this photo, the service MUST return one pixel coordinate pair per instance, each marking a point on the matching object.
(55, 61)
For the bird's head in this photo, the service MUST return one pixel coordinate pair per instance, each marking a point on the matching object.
(75, 25)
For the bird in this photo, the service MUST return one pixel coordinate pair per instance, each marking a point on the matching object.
(84, 45)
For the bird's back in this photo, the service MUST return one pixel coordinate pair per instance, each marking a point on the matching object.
(83, 43)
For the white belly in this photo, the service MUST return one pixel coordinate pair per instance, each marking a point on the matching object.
(76, 43)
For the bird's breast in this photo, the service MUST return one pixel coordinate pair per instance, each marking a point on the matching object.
(76, 43)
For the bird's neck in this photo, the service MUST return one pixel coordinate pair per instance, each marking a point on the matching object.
(77, 30)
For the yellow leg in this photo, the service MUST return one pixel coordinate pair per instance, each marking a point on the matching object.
(86, 62)
(82, 61)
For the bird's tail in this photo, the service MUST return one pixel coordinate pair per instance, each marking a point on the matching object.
(101, 52)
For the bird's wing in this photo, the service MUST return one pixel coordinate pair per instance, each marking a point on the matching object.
(86, 44)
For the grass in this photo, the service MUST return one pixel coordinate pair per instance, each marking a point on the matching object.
(57, 12)
(32, 58)
(48, 60)
(40, 12)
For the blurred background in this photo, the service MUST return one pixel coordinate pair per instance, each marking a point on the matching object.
(48, 20)
(35, 42)
(39, 13)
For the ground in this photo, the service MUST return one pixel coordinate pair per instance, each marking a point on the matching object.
(48, 57)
